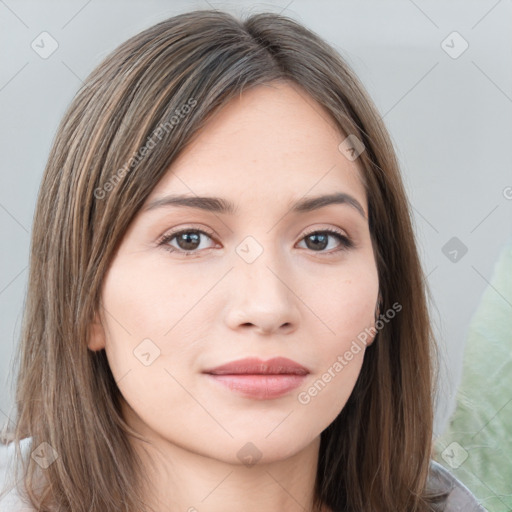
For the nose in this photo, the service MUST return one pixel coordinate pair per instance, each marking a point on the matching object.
(262, 298)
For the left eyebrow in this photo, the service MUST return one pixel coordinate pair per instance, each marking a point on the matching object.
(221, 205)
(314, 203)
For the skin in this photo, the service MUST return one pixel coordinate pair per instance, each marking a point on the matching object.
(265, 149)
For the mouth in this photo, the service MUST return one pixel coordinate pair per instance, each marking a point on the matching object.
(257, 379)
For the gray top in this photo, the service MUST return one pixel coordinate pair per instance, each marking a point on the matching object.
(460, 498)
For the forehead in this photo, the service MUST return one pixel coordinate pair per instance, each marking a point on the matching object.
(273, 142)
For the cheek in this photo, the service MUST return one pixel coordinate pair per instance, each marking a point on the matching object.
(153, 314)
(327, 392)
(343, 301)
(137, 316)
(146, 300)
(346, 305)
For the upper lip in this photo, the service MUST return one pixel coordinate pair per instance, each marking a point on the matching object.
(252, 365)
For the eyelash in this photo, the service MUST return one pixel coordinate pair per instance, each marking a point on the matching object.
(345, 242)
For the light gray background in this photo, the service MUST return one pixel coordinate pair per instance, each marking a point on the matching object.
(449, 118)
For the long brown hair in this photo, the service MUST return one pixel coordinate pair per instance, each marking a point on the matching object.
(156, 91)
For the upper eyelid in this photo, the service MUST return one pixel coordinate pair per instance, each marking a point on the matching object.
(340, 231)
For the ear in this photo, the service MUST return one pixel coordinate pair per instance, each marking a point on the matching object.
(96, 334)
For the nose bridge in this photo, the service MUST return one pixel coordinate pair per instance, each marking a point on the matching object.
(261, 295)
(262, 267)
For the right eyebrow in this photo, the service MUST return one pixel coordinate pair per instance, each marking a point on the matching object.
(210, 204)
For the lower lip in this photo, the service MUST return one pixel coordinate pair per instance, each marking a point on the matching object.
(261, 387)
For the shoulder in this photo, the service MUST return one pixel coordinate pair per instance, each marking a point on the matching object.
(10, 500)
(460, 498)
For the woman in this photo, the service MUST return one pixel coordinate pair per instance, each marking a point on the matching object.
(226, 308)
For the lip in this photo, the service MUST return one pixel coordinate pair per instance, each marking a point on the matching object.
(258, 379)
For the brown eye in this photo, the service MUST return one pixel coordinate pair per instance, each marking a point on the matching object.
(187, 241)
(318, 241)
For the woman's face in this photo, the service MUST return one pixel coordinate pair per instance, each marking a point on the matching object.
(262, 281)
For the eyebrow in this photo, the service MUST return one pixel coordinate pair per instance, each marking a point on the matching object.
(220, 205)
